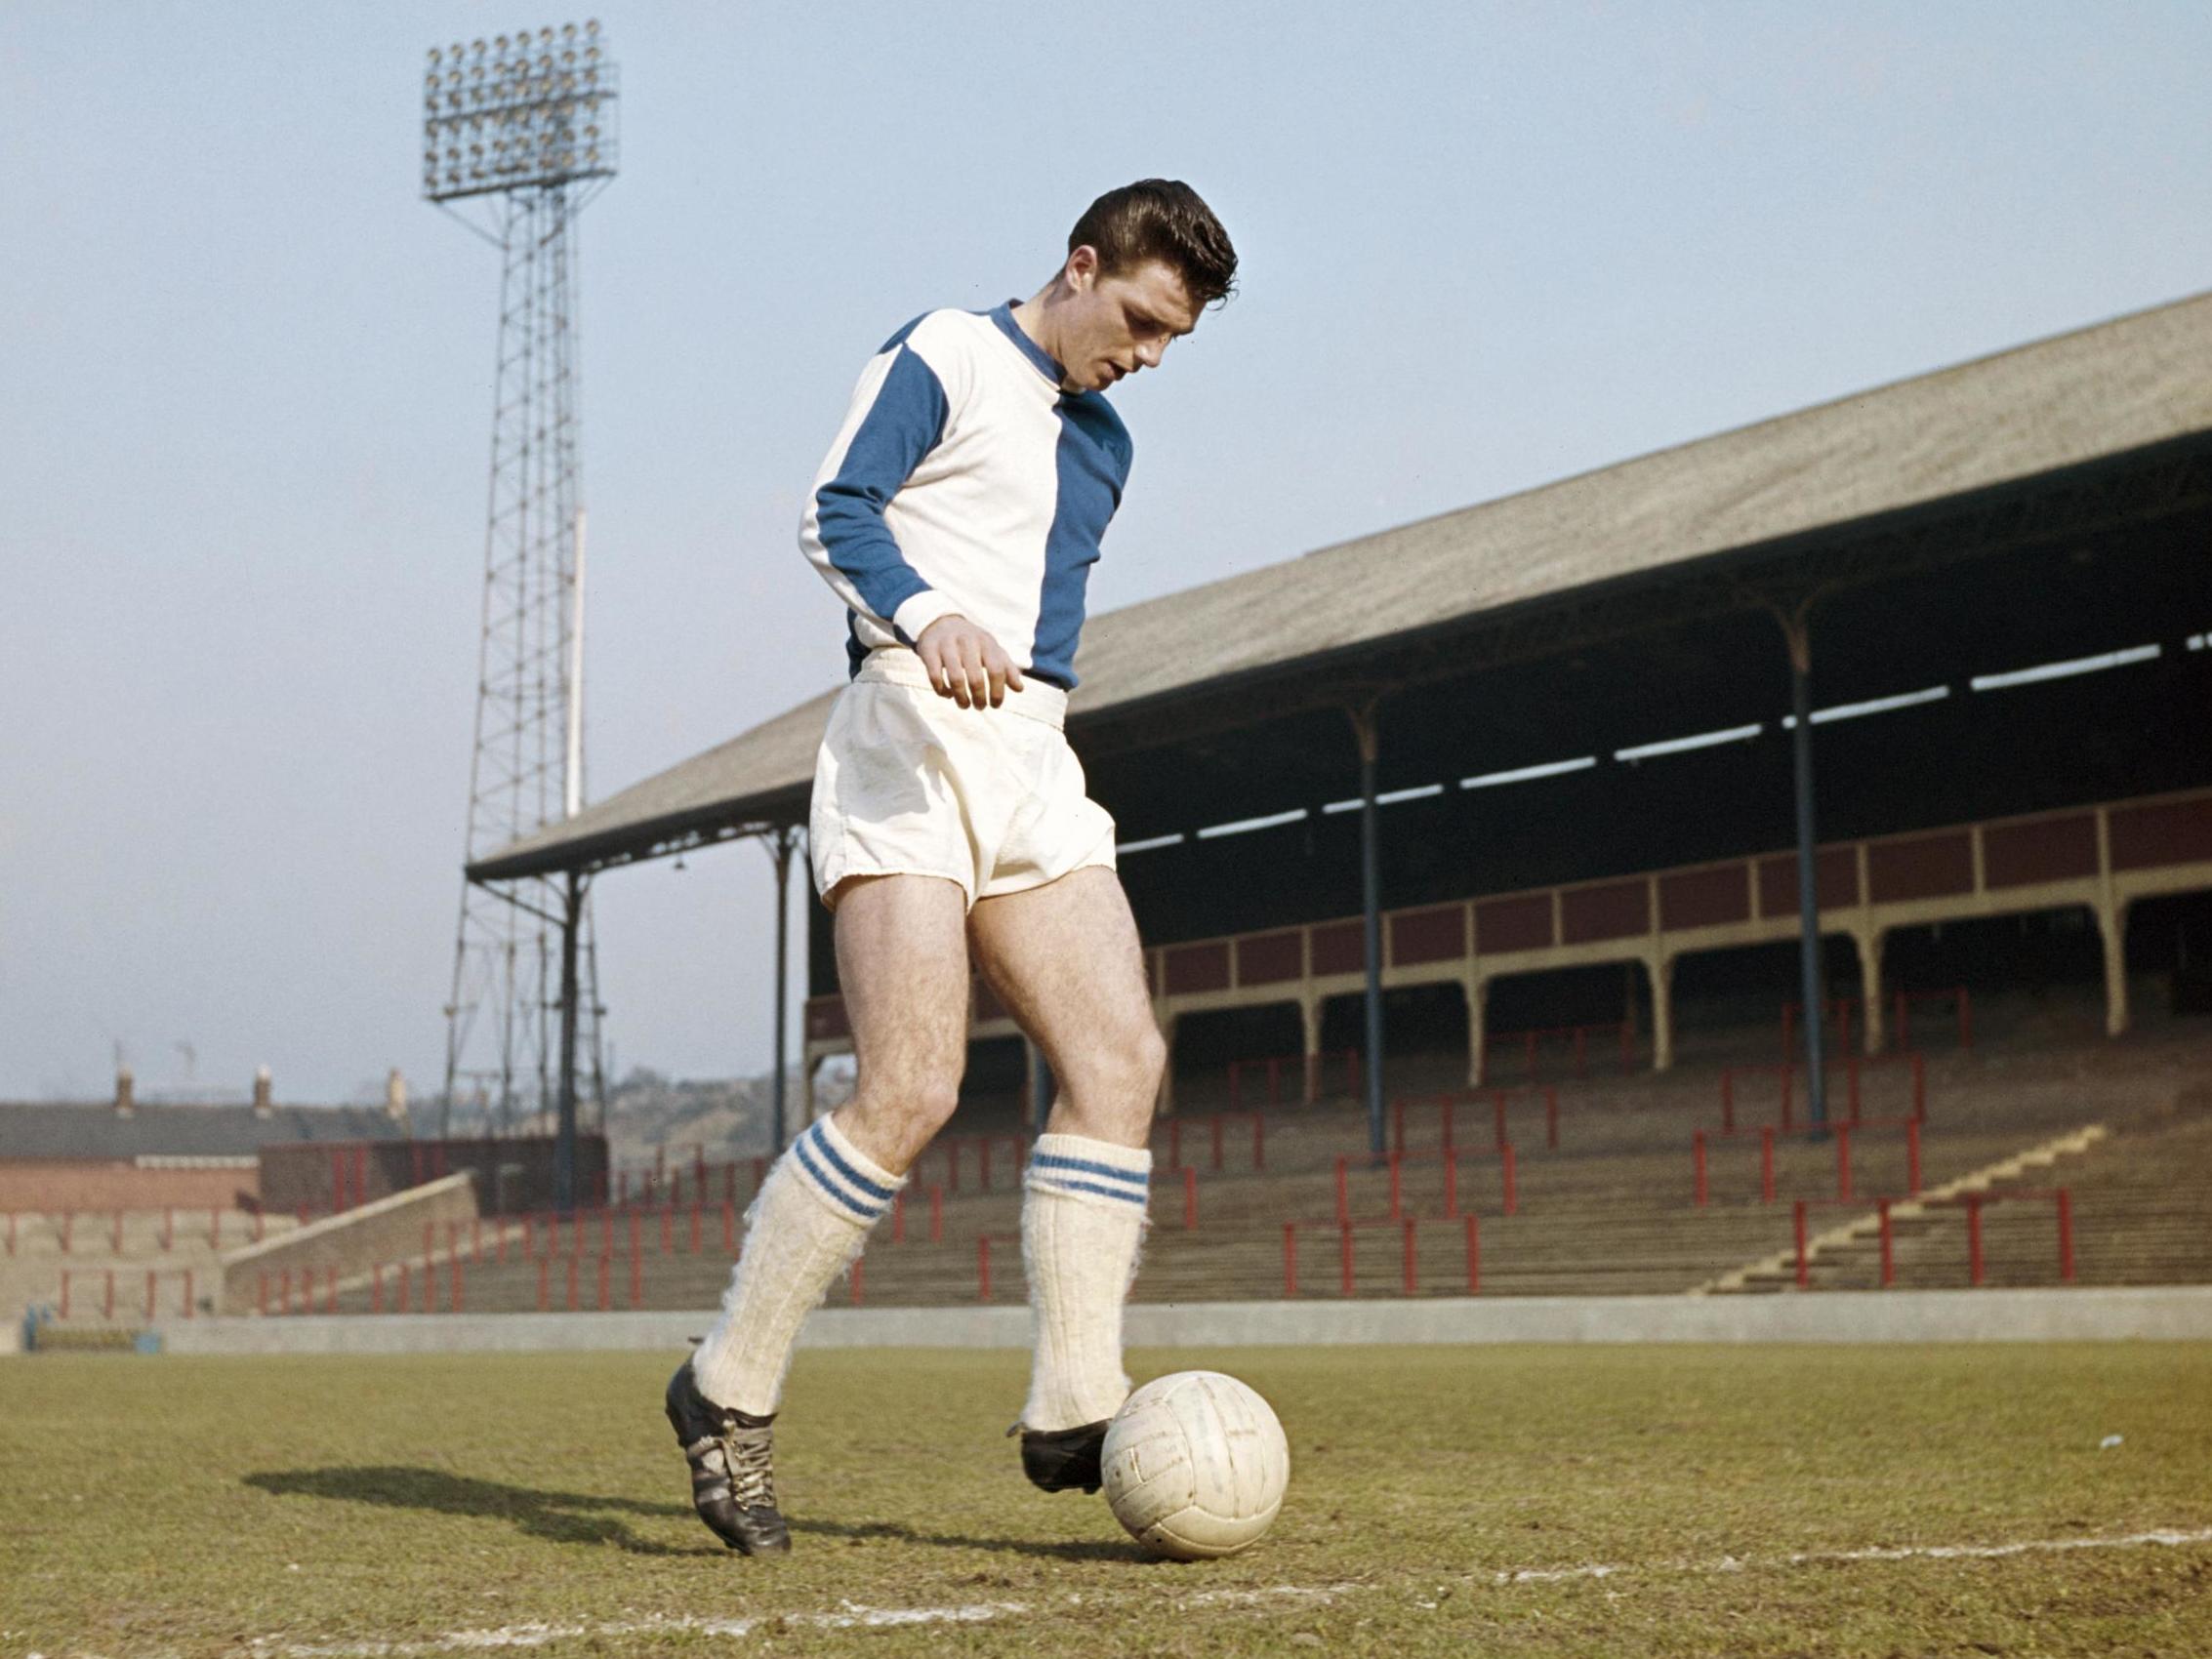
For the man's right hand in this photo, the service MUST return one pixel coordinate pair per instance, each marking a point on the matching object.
(965, 664)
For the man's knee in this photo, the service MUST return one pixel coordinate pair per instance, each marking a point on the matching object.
(1122, 1070)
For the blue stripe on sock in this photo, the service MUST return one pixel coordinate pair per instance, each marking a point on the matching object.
(1060, 1184)
(881, 1195)
(824, 1181)
(1056, 1160)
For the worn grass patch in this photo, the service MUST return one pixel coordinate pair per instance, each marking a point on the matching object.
(383, 1505)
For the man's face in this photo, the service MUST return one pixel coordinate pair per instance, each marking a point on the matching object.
(1119, 324)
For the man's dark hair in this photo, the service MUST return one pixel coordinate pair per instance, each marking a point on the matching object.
(1163, 219)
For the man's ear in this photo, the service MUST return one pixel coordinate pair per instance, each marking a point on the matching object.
(1082, 269)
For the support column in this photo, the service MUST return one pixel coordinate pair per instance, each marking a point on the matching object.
(1870, 988)
(2112, 926)
(1661, 968)
(787, 837)
(1811, 989)
(1365, 728)
(1167, 1105)
(1037, 1086)
(1309, 1017)
(565, 1144)
(1476, 990)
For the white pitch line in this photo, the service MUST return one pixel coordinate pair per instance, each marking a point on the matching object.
(853, 1615)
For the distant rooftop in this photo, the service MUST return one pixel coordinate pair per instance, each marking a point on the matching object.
(39, 1130)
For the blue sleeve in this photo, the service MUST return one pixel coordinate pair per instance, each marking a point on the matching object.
(902, 424)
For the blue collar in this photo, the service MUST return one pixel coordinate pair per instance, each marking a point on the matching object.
(1039, 359)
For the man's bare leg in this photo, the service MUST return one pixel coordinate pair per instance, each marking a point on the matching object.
(902, 961)
(1064, 959)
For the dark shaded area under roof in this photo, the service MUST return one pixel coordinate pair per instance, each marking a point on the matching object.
(36, 1130)
(2045, 501)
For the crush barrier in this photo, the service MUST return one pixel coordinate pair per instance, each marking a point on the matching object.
(1408, 1229)
(1844, 1135)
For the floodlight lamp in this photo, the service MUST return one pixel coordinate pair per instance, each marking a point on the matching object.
(568, 31)
(435, 54)
(477, 47)
(590, 26)
(455, 49)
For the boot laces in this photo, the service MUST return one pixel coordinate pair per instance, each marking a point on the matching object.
(749, 1453)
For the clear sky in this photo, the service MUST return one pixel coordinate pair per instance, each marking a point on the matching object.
(245, 392)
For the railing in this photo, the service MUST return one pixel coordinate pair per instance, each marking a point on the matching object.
(1447, 1104)
(1408, 1229)
(1578, 1039)
(1843, 1135)
(1215, 1125)
(1853, 1067)
(1448, 1161)
(1308, 1066)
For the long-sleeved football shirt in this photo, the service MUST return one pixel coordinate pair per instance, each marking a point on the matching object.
(965, 482)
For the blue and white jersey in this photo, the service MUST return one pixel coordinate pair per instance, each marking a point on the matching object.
(965, 482)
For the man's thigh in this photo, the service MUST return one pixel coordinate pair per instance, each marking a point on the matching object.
(1066, 961)
(902, 965)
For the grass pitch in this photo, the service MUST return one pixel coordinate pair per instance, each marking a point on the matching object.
(1450, 1500)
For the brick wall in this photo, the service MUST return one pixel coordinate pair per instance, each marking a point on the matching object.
(49, 1186)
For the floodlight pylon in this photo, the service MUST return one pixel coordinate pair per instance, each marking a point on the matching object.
(519, 136)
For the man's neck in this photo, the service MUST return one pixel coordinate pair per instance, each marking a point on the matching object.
(1034, 317)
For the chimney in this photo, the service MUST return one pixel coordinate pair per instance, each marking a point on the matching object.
(396, 1095)
(263, 1103)
(126, 1103)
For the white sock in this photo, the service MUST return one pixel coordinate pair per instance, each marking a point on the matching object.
(1083, 1218)
(806, 1225)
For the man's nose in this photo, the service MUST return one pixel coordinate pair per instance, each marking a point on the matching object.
(1150, 354)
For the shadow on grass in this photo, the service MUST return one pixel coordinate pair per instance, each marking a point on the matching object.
(578, 1517)
(1075, 1549)
(559, 1518)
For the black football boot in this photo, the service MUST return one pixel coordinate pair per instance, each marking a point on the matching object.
(733, 1477)
(1063, 1460)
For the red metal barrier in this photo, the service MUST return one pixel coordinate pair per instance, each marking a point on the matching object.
(545, 1285)
(852, 1283)
(189, 1298)
(1804, 1262)
(606, 1283)
(1697, 1166)
(1974, 1239)
(1474, 1256)
(454, 1285)
(983, 1268)
(1412, 1260)
(636, 1282)
(936, 1215)
(1308, 1066)
(150, 1294)
(1190, 1200)
(574, 1297)
(1345, 1257)
(1216, 1125)
(1765, 1163)
(330, 1290)
(695, 1225)
(730, 1229)
(1958, 996)
(1889, 1246)
(1289, 1261)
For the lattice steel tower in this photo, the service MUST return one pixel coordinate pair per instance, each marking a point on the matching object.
(519, 136)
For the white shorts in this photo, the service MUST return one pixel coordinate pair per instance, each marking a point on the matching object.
(908, 782)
